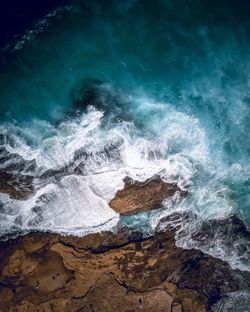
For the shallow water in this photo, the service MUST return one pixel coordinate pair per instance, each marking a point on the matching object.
(172, 82)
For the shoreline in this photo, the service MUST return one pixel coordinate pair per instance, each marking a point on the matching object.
(120, 270)
(112, 272)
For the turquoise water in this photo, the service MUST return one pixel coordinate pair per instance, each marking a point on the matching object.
(175, 76)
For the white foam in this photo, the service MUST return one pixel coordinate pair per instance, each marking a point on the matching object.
(82, 201)
(71, 204)
(172, 145)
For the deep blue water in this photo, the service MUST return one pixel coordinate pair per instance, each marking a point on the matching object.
(175, 75)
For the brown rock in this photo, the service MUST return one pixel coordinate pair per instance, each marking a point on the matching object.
(141, 196)
(109, 273)
(19, 264)
(18, 187)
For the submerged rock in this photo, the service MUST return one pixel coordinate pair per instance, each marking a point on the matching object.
(17, 186)
(111, 272)
(142, 196)
(101, 95)
(234, 234)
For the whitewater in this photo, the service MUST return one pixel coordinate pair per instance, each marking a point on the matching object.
(93, 94)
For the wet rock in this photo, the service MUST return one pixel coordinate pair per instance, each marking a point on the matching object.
(111, 272)
(83, 161)
(14, 163)
(142, 196)
(234, 234)
(232, 227)
(18, 186)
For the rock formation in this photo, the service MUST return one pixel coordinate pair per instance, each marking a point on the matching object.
(142, 196)
(110, 272)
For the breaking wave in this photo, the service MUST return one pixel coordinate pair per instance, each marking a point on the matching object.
(80, 112)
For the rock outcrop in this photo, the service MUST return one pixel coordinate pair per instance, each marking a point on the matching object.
(142, 196)
(108, 272)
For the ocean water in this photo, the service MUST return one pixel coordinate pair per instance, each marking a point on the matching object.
(115, 88)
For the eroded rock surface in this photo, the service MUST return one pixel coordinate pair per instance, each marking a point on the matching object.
(107, 272)
(110, 272)
(141, 196)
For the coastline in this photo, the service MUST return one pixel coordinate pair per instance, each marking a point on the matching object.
(112, 272)
(116, 271)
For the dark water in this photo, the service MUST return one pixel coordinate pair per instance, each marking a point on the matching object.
(18, 16)
(161, 87)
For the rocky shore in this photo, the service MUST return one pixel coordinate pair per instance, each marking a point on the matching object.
(119, 271)
(142, 196)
